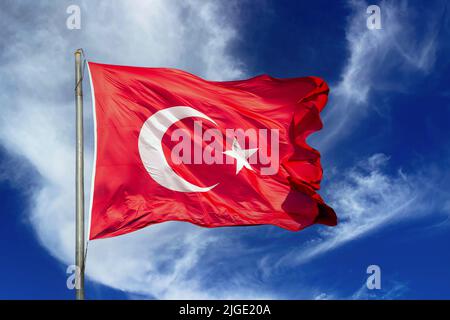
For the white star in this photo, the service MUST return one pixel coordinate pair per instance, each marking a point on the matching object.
(241, 155)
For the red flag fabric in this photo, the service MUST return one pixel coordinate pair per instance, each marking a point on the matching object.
(173, 146)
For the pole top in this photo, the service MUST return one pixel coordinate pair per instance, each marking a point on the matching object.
(79, 51)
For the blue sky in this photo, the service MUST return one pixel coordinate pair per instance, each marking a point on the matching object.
(385, 148)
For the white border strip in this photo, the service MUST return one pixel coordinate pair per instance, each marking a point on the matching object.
(94, 162)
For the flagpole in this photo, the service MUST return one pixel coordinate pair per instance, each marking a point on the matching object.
(79, 184)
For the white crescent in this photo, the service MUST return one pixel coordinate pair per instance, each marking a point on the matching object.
(151, 151)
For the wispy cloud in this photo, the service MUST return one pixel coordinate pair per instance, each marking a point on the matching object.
(391, 291)
(366, 199)
(379, 60)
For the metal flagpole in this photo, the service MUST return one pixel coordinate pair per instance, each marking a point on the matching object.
(79, 184)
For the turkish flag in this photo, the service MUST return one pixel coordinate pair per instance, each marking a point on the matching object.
(173, 146)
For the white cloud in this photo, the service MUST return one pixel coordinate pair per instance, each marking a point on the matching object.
(389, 291)
(379, 60)
(366, 198)
(393, 290)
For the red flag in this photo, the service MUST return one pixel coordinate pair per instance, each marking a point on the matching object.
(173, 146)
